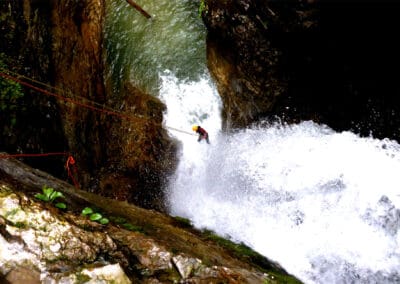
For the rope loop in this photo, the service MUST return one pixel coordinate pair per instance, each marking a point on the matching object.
(71, 164)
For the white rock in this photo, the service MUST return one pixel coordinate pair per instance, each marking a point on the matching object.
(55, 247)
(106, 274)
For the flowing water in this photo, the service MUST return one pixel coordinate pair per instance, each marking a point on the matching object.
(325, 205)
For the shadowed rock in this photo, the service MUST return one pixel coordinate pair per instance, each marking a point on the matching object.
(146, 245)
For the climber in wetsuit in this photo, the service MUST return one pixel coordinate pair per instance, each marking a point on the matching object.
(202, 133)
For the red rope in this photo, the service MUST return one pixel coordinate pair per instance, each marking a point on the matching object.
(110, 112)
(100, 109)
(70, 162)
(6, 156)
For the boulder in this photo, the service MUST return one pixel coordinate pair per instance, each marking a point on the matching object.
(68, 245)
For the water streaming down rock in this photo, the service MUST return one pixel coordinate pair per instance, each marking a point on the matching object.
(325, 205)
(138, 49)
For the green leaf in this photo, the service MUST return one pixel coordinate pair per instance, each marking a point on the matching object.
(55, 195)
(41, 197)
(118, 220)
(103, 221)
(13, 121)
(87, 211)
(47, 191)
(95, 216)
(202, 8)
(131, 227)
(61, 205)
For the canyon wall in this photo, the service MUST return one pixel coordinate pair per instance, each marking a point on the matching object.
(60, 43)
(327, 61)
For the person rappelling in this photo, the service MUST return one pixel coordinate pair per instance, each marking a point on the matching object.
(203, 134)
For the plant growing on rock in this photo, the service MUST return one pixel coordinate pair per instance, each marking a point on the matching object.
(202, 7)
(94, 216)
(122, 222)
(50, 195)
(11, 94)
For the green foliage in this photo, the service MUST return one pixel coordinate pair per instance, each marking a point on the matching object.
(87, 211)
(202, 7)
(21, 225)
(237, 249)
(104, 221)
(11, 212)
(10, 95)
(133, 228)
(94, 216)
(125, 224)
(98, 217)
(274, 278)
(50, 195)
(118, 220)
(82, 278)
(61, 205)
(241, 251)
(183, 222)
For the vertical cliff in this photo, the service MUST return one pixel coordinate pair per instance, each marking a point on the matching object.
(60, 43)
(245, 49)
(25, 42)
(76, 56)
(329, 61)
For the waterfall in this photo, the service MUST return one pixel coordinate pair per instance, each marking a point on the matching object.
(325, 205)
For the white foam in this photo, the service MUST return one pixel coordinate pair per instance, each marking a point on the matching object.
(325, 205)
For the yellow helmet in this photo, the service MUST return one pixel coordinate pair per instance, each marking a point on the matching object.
(195, 127)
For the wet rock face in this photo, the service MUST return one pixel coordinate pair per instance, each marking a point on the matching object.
(25, 39)
(329, 61)
(76, 53)
(141, 154)
(245, 53)
(61, 43)
(42, 244)
(49, 246)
